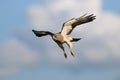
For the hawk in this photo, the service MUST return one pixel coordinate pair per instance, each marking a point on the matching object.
(63, 36)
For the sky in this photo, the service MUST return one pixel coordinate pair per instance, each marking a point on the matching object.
(23, 56)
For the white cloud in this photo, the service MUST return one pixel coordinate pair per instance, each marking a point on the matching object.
(8, 71)
(105, 27)
(75, 7)
(96, 56)
(39, 16)
(14, 55)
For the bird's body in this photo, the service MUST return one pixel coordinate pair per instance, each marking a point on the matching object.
(58, 37)
(63, 35)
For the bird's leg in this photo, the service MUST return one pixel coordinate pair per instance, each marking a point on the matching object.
(61, 46)
(70, 46)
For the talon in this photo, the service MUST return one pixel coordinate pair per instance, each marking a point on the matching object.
(72, 54)
(65, 55)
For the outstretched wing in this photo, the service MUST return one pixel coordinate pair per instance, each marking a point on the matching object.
(41, 33)
(71, 24)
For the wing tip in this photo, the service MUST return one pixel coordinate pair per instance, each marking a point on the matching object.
(91, 17)
(33, 30)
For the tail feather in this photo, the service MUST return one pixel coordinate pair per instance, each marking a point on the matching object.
(75, 39)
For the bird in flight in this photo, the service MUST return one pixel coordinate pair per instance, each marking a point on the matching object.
(63, 36)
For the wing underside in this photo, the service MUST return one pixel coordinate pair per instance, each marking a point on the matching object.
(71, 24)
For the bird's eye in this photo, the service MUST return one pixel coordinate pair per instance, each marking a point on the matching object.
(55, 37)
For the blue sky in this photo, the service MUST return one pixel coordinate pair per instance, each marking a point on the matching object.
(23, 58)
(13, 14)
(111, 6)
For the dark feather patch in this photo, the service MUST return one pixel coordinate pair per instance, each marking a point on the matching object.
(41, 33)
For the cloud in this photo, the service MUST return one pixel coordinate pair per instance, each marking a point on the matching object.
(104, 39)
(75, 8)
(14, 55)
(8, 71)
(95, 56)
(102, 33)
(99, 43)
(38, 16)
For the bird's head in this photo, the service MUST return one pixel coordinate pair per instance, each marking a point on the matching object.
(54, 37)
